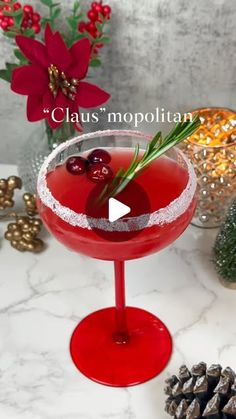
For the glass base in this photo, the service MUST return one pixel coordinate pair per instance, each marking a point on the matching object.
(97, 355)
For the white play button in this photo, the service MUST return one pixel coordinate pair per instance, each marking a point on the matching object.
(117, 210)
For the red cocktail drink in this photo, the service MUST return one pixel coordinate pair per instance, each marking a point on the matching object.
(118, 346)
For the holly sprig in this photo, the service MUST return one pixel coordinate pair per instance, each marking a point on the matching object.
(102, 39)
(18, 16)
(100, 24)
(72, 21)
(16, 29)
(54, 12)
(155, 148)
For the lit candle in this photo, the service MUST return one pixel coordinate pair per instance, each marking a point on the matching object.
(212, 149)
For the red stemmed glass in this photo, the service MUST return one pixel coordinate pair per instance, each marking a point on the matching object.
(120, 345)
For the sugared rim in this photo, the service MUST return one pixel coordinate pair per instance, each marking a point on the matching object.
(164, 215)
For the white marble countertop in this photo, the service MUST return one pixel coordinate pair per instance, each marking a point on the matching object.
(43, 297)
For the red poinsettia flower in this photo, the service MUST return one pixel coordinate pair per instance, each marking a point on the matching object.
(53, 79)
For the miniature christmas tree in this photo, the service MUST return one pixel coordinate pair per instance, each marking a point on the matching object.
(225, 249)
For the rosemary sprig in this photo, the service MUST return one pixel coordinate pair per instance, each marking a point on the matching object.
(155, 148)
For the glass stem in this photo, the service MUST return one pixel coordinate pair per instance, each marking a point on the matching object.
(121, 334)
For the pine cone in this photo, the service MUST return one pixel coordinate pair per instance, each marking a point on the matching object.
(202, 393)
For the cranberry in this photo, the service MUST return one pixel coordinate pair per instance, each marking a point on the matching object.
(94, 4)
(36, 27)
(24, 24)
(28, 9)
(106, 10)
(94, 34)
(1, 15)
(92, 15)
(4, 25)
(76, 165)
(98, 8)
(82, 26)
(91, 27)
(17, 6)
(99, 156)
(36, 17)
(99, 172)
(11, 21)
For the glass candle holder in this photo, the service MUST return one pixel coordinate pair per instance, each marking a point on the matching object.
(212, 149)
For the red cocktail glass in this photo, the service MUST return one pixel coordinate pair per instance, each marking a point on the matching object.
(118, 346)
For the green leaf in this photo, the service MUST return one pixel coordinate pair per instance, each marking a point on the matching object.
(18, 19)
(117, 177)
(7, 13)
(11, 66)
(76, 7)
(95, 62)
(79, 17)
(29, 32)
(44, 21)
(55, 5)
(155, 140)
(56, 12)
(5, 75)
(18, 54)
(13, 13)
(79, 36)
(99, 26)
(104, 39)
(46, 2)
(10, 34)
(72, 22)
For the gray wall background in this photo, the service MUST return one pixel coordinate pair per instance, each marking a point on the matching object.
(178, 54)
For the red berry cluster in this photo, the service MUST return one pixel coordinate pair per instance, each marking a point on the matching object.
(31, 19)
(96, 166)
(97, 14)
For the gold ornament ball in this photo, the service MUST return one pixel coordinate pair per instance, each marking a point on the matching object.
(25, 227)
(8, 235)
(22, 233)
(28, 237)
(14, 182)
(30, 247)
(21, 220)
(38, 222)
(38, 245)
(3, 184)
(16, 235)
(12, 226)
(8, 203)
(27, 197)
